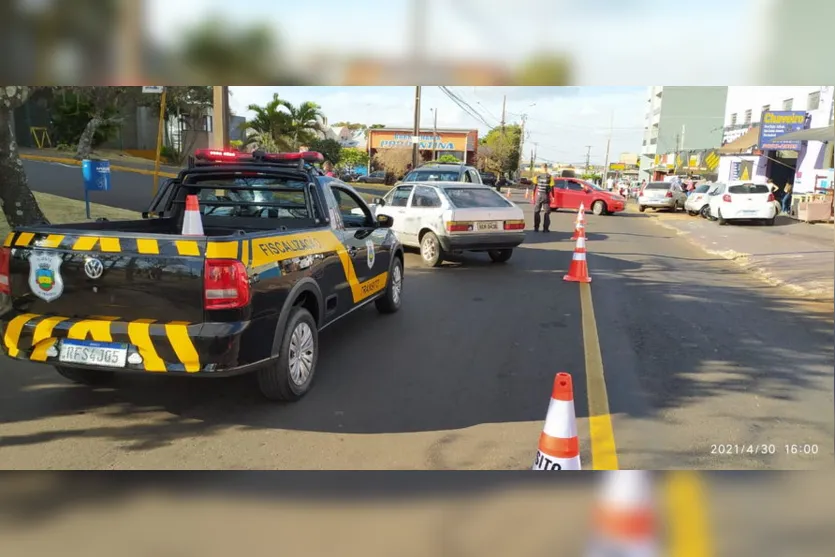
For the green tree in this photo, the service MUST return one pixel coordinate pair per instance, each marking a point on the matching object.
(448, 159)
(353, 126)
(284, 124)
(70, 115)
(499, 149)
(330, 149)
(306, 120)
(16, 199)
(545, 70)
(352, 157)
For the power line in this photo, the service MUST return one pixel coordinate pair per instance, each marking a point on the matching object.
(463, 106)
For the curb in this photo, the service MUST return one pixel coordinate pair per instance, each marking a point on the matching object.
(743, 260)
(116, 167)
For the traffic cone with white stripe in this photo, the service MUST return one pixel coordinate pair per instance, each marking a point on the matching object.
(192, 222)
(625, 518)
(578, 271)
(559, 447)
(580, 223)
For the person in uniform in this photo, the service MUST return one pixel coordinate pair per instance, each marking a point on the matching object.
(544, 187)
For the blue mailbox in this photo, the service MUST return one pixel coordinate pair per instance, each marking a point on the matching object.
(96, 174)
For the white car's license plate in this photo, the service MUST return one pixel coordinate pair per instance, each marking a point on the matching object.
(492, 226)
(102, 354)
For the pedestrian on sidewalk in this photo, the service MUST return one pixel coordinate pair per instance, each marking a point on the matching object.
(787, 198)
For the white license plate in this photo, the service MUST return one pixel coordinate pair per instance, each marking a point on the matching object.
(489, 226)
(102, 354)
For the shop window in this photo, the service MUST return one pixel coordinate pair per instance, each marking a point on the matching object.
(787, 104)
(748, 115)
(733, 119)
(814, 101)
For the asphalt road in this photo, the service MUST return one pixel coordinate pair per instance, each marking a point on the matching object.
(129, 190)
(694, 353)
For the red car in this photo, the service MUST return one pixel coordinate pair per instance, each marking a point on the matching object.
(569, 193)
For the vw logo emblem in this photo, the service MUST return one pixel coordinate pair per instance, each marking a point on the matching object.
(93, 268)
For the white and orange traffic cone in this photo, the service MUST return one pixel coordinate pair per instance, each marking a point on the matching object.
(528, 194)
(507, 193)
(192, 222)
(625, 518)
(580, 223)
(578, 271)
(559, 447)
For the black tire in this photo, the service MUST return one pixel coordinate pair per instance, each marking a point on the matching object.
(692, 213)
(85, 376)
(598, 208)
(705, 212)
(500, 255)
(642, 208)
(275, 379)
(391, 300)
(771, 221)
(431, 251)
(722, 221)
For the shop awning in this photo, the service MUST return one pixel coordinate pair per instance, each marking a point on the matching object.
(812, 134)
(741, 144)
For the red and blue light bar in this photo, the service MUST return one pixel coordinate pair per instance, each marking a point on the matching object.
(222, 155)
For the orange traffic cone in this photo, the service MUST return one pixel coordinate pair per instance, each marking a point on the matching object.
(580, 223)
(559, 448)
(508, 193)
(579, 269)
(192, 222)
(625, 518)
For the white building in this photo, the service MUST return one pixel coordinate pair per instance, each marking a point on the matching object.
(348, 137)
(742, 154)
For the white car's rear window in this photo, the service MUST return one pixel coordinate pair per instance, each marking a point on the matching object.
(475, 198)
(658, 186)
(747, 189)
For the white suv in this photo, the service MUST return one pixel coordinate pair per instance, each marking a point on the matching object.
(742, 201)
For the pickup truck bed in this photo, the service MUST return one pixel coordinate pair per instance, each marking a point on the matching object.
(96, 298)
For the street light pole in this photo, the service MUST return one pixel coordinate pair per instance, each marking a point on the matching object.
(416, 134)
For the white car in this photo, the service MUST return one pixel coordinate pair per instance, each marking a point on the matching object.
(698, 202)
(446, 217)
(742, 201)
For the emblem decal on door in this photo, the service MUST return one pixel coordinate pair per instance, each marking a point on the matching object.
(45, 279)
(369, 244)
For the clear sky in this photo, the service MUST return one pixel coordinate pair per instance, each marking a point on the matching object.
(562, 121)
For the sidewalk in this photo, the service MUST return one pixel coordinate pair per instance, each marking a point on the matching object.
(797, 255)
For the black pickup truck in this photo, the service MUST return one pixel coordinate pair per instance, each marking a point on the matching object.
(285, 252)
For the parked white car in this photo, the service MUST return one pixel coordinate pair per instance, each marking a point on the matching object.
(661, 195)
(698, 201)
(743, 201)
(445, 217)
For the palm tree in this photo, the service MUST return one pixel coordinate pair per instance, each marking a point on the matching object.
(305, 121)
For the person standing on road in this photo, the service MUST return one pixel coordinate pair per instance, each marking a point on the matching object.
(544, 188)
(787, 198)
(328, 168)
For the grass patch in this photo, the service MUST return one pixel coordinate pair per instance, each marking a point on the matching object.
(60, 210)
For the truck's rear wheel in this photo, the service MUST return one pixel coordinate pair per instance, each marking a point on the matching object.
(85, 376)
(289, 377)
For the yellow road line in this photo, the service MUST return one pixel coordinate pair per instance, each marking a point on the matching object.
(116, 167)
(603, 450)
(689, 533)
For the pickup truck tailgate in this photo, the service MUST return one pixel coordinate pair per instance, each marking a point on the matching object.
(121, 277)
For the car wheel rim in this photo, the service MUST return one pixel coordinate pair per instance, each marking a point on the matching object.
(428, 249)
(301, 353)
(396, 284)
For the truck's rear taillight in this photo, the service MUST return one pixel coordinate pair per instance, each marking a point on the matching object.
(5, 272)
(225, 284)
(669, 194)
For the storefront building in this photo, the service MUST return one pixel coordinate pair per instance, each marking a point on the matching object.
(758, 118)
(461, 144)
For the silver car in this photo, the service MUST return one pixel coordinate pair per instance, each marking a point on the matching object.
(448, 217)
(661, 195)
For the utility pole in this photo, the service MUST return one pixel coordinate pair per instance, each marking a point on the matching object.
(220, 117)
(521, 142)
(608, 146)
(588, 156)
(435, 136)
(533, 158)
(416, 134)
(504, 111)
(129, 46)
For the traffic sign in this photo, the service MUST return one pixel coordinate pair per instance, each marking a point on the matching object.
(153, 88)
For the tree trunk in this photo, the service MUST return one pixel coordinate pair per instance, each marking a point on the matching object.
(19, 205)
(85, 142)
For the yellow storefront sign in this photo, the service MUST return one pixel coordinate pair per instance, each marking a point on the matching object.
(443, 141)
